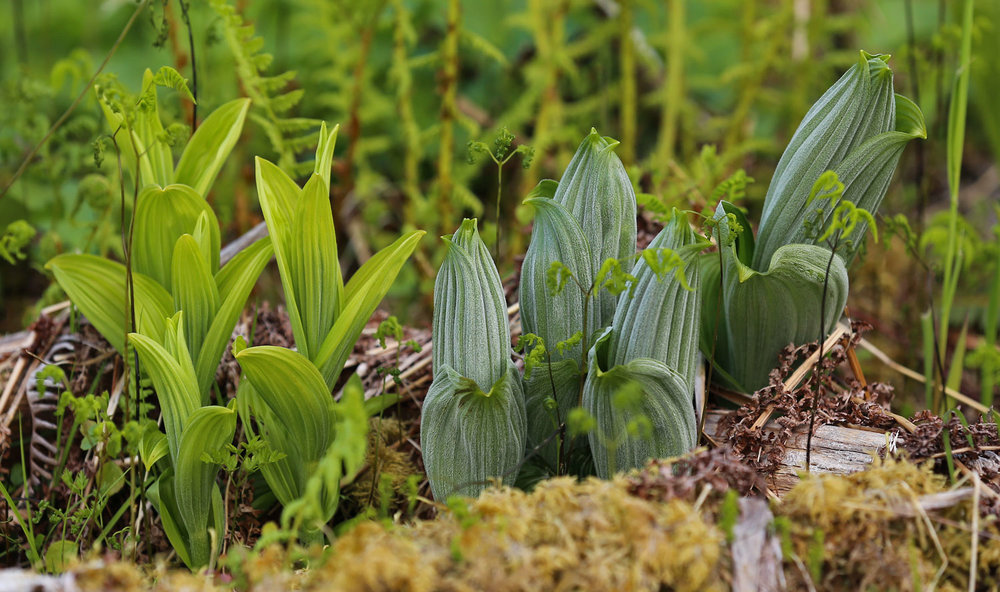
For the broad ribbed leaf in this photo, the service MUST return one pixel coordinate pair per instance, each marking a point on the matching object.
(860, 106)
(314, 283)
(660, 319)
(663, 400)
(280, 476)
(764, 312)
(207, 431)
(362, 295)
(161, 495)
(169, 365)
(194, 291)
(299, 409)
(210, 145)
(556, 236)
(98, 288)
(471, 332)
(150, 131)
(559, 381)
(596, 191)
(161, 217)
(234, 282)
(469, 437)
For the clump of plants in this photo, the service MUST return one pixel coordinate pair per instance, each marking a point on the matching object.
(598, 378)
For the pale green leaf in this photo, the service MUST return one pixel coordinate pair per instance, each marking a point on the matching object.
(324, 152)
(98, 288)
(559, 381)
(150, 133)
(363, 293)
(859, 106)
(299, 409)
(207, 430)
(209, 147)
(194, 291)
(170, 367)
(161, 217)
(234, 281)
(471, 332)
(597, 192)
(152, 447)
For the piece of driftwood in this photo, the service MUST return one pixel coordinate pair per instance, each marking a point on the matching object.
(835, 449)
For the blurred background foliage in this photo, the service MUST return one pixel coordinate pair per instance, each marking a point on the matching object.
(694, 91)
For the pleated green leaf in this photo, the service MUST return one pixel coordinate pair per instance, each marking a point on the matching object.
(469, 436)
(161, 495)
(363, 293)
(208, 429)
(234, 283)
(766, 311)
(98, 288)
(860, 106)
(471, 332)
(161, 217)
(209, 147)
(555, 236)
(315, 283)
(595, 189)
(660, 319)
(664, 404)
(194, 291)
(169, 366)
(298, 420)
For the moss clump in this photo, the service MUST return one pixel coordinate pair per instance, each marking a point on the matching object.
(563, 536)
(878, 530)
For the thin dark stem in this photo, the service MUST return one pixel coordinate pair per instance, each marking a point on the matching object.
(86, 89)
(817, 370)
(194, 66)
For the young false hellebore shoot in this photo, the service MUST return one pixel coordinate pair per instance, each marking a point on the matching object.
(581, 222)
(473, 424)
(286, 393)
(773, 288)
(641, 375)
(184, 493)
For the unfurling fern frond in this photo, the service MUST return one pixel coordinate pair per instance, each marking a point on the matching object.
(272, 101)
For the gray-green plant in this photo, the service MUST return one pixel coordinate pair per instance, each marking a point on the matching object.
(473, 425)
(772, 288)
(574, 285)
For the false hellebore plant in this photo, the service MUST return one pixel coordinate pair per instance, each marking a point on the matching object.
(772, 291)
(185, 309)
(288, 392)
(473, 424)
(636, 392)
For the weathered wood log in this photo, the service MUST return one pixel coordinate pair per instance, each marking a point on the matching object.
(835, 449)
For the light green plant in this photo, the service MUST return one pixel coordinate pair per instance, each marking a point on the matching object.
(772, 288)
(288, 393)
(473, 424)
(185, 492)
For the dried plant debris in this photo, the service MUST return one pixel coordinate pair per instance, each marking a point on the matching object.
(972, 447)
(685, 477)
(834, 401)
